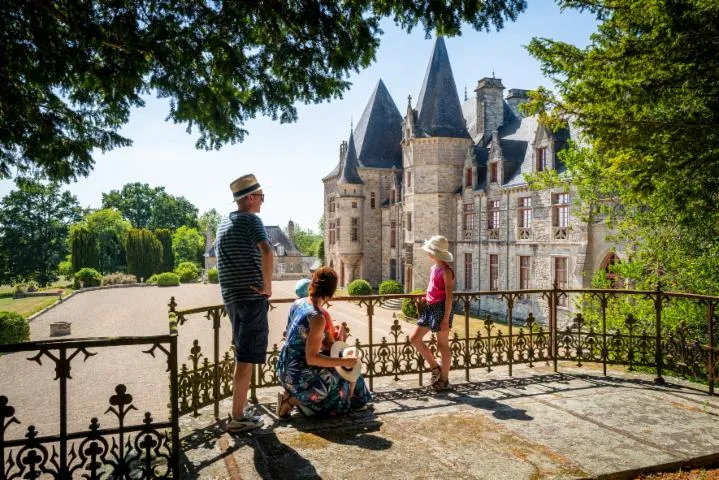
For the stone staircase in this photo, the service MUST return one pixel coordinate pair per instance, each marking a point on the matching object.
(392, 304)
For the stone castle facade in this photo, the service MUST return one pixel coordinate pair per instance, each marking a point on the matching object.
(457, 170)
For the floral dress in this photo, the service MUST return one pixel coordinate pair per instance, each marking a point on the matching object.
(319, 389)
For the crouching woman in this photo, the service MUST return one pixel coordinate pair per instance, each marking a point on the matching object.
(310, 379)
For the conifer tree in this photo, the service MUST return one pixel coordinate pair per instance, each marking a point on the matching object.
(144, 253)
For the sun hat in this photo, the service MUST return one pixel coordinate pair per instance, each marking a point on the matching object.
(244, 186)
(302, 288)
(438, 246)
(342, 350)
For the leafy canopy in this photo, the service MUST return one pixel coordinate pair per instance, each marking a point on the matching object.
(73, 70)
(34, 223)
(644, 95)
(151, 207)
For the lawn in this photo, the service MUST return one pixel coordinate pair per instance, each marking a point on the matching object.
(25, 306)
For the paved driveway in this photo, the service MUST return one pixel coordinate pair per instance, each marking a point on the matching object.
(32, 390)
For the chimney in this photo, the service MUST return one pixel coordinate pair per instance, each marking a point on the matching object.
(516, 97)
(343, 150)
(490, 105)
(291, 231)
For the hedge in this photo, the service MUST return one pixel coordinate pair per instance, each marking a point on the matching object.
(167, 279)
(359, 287)
(389, 287)
(213, 276)
(408, 306)
(13, 328)
(89, 276)
(188, 272)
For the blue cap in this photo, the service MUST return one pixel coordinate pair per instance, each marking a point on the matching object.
(302, 288)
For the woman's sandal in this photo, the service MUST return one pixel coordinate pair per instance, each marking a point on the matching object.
(284, 407)
(436, 372)
(440, 385)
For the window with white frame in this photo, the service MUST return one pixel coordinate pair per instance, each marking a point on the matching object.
(560, 277)
(494, 272)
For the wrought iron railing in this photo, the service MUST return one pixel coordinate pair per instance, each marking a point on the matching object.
(146, 450)
(522, 340)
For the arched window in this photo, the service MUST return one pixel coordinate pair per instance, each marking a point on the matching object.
(611, 259)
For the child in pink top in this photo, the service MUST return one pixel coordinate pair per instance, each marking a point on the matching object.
(437, 315)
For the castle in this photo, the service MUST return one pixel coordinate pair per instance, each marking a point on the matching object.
(457, 169)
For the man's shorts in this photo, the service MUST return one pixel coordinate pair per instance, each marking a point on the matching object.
(250, 329)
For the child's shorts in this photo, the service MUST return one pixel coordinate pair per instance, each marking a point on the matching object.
(431, 316)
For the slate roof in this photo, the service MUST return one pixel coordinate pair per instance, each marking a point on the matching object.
(439, 113)
(379, 131)
(349, 164)
(277, 237)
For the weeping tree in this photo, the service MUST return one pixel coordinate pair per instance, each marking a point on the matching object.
(144, 253)
(168, 256)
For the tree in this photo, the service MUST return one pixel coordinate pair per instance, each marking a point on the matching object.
(135, 201)
(209, 220)
(305, 240)
(168, 257)
(106, 233)
(83, 248)
(645, 96)
(72, 71)
(172, 212)
(187, 245)
(144, 253)
(34, 222)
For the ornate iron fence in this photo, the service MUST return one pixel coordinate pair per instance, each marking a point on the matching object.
(633, 343)
(146, 450)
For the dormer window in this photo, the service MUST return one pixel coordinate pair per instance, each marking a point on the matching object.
(541, 155)
(493, 172)
(468, 178)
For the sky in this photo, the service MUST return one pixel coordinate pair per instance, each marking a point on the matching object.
(290, 160)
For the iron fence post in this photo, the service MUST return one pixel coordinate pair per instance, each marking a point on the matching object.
(466, 338)
(216, 367)
(510, 352)
(63, 374)
(370, 313)
(174, 403)
(605, 352)
(658, 355)
(712, 358)
(553, 322)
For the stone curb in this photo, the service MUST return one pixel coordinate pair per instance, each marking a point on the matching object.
(83, 290)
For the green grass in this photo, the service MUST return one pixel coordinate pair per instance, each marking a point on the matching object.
(26, 306)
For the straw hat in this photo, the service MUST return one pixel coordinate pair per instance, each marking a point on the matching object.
(342, 350)
(243, 186)
(438, 246)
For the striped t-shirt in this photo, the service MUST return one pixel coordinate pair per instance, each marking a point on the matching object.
(239, 260)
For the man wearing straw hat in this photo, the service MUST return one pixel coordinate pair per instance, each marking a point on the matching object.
(244, 262)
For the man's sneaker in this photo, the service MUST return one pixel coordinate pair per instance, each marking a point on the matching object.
(244, 424)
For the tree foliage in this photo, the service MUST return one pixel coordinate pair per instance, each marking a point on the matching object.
(151, 207)
(135, 201)
(144, 253)
(187, 245)
(209, 220)
(83, 248)
(168, 256)
(305, 240)
(107, 231)
(645, 97)
(73, 70)
(34, 222)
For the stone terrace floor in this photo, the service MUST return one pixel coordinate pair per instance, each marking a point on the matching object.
(537, 424)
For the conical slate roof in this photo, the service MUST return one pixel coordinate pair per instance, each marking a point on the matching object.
(438, 107)
(349, 167)
(379, 131)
